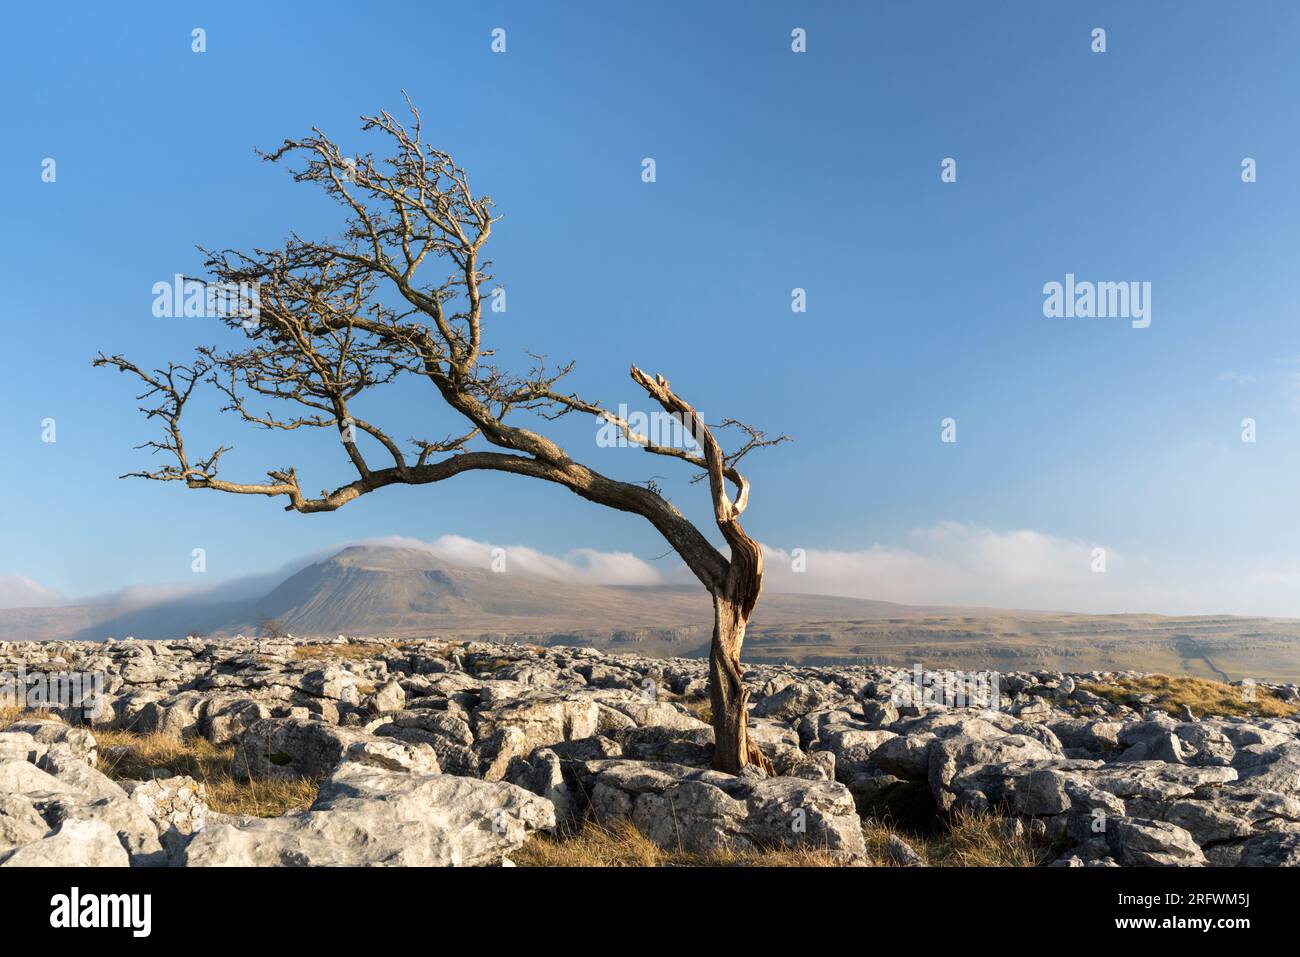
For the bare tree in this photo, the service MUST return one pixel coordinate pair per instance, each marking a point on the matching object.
(324, 333)
(273, 629)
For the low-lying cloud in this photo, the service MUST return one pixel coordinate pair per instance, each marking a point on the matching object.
(945, 564)
(950, 563)
(969, 565)
(579, 565)
(18, 591)
(957, 564)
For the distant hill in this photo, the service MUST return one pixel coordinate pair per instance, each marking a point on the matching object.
(372, 590)
(382, 591)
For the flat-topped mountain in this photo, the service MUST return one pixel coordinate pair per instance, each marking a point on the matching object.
(370, 589)
(411, 592)
(405, 591)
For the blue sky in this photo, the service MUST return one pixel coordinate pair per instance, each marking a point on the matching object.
(775, 170)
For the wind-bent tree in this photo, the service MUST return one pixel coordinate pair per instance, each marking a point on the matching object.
(323, 332)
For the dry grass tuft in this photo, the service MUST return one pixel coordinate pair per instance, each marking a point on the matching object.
(354, 650)
(968, 840)
(622, 845)
(493, 665)
(696, 705)
(1202, 696)
(985, 840)
(699, 706)
(971, 840)
(126, 755)
(10, 714)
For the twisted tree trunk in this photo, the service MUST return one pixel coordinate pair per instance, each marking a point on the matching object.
(733, 603)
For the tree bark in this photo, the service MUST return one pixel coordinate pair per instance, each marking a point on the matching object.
(733, 603)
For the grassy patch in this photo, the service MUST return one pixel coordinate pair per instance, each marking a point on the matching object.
(126, 755)
(1202, 696)
(10, 714)
(621, 845)
(354, 650)
(700, 706)
(969, 841)
(697, 705)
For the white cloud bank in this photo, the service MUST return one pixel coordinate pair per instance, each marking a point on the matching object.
(956, 564)
(18, 591)
(579, 565)
(959, 564)
(945, 564)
